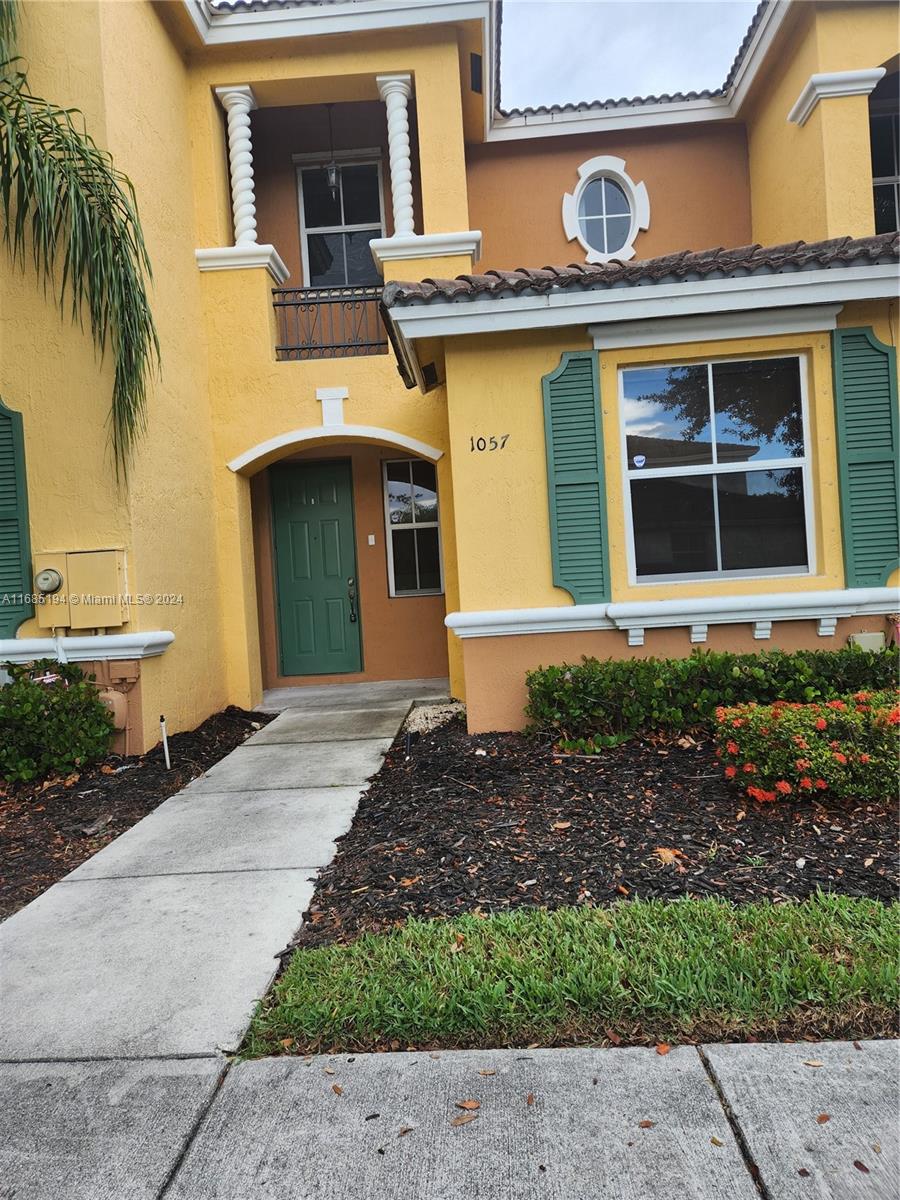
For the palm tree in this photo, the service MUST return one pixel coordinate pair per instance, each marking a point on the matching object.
(62, 194)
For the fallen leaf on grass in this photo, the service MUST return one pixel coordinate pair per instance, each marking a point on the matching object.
(337, 1089)
(613, 1037)
(663, 1048)
(286, 1042)
(823, 1119)
(468, 1105)
(646, 1124)
(464, 1118)
(715, 1141)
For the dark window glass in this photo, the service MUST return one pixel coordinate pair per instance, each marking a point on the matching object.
(883, 131)
(326, 259)
(404, 547)
(761, 519)
(429, 559)
(362, 204)
(887, 208)
(399, 491)
(592, 199)
(320, 208)
(616, 233)
(424, 491)
(667, 417)
(758, 410)
(360, 263)
(616, 200)
(674, 525)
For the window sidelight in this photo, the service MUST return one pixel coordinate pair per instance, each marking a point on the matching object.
(413, 534)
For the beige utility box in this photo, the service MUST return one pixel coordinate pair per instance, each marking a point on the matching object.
(92, 594)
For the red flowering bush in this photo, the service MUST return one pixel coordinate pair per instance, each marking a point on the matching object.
(846, 748)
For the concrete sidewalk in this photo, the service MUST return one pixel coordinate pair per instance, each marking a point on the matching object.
(707, 1123)
(160, 945)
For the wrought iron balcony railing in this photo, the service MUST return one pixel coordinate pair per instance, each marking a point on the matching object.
(339, 322)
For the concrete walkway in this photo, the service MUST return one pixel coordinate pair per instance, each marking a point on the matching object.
(701, 1123)
(159, 946)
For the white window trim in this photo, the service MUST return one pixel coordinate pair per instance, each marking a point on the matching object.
(389, 539)
(606, 166)
(356, 158)
(803, 464)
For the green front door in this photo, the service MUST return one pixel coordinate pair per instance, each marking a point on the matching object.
(315, 568)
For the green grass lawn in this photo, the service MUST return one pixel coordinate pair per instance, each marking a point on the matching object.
(640, 971)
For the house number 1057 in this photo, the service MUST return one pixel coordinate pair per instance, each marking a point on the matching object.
(489, 443)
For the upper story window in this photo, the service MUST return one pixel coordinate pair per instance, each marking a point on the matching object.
(339, 218)
(717, 469)
(606, 211)
(884, 132)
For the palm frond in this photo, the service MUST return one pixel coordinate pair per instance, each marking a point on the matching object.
(9, 23)
(62, 195)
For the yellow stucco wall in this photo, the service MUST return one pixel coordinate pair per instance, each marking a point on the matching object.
(502, 527)
(135, 105)
(815, 181)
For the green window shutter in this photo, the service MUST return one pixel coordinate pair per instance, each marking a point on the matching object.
(865, 390)
(15, 550)
(575, 478)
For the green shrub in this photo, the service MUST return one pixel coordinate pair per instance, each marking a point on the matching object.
(597, 700)
(50, 728)
(847, 748)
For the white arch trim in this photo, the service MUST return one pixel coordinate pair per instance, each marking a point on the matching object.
(298, 438)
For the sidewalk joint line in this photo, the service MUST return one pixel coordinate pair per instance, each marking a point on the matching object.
(746, 1154)
(176, 874)
(194, 1130)
(200, 1056)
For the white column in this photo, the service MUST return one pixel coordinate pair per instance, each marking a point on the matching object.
(239, 102)
(395, 91)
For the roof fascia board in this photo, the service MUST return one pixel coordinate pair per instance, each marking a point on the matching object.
(652, 301)
(771, 22)
(220, 28)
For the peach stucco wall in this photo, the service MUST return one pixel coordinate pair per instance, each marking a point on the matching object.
(495, 667)
(403, 637)
(696, 179)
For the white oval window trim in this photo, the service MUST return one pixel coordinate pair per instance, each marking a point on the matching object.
(605, 166)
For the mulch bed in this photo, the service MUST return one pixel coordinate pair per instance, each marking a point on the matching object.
(496, 821)
(49, 828)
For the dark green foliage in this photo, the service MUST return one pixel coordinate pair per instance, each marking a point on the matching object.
(50, 728)
(596, 700)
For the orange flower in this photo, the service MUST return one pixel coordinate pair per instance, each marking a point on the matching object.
(821, 723)
(821, 785)
(806, 783)
(737, 722)
(730, 772)
(803, 763)
(861, 695)
(732, 747)
(893, 717)
(782, 785)
(838, 704)
(841, 758)
(749, 769)
(864, 758)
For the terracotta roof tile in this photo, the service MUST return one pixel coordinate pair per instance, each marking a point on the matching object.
(686, 265)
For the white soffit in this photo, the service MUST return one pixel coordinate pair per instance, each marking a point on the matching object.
(628, 335)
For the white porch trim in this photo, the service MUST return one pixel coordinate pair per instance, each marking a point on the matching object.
(426, 245)
(829, 84)
(698, 613)
(232, 258)
(110, 647)
(299, 439)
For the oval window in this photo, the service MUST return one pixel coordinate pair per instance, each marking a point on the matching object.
(604, 215)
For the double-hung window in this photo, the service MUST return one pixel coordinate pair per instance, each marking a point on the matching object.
(884, 125)
(717, 469)
(339, 221)
(413, 535)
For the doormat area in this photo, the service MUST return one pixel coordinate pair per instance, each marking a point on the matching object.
(49, 828)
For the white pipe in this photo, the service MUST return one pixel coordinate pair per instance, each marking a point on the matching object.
(165, 741)
(105, 648)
